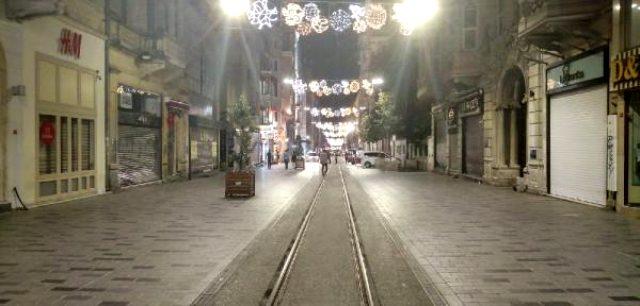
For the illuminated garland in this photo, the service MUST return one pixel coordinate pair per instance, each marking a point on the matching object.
(327, 112)
(308, 19)
(345, 87)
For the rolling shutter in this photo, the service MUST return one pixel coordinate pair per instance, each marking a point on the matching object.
(578, 139)
(139, 154)
(473, 146)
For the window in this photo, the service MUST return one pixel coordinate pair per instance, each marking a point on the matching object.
(470, 31)
(633, 33)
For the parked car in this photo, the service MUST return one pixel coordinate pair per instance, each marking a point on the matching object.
(370, 159)
(313, 157)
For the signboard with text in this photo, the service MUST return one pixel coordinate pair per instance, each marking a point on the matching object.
(578, 71)
(625, 70)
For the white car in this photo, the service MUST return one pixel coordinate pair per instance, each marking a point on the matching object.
(370, 159)
(313, 157)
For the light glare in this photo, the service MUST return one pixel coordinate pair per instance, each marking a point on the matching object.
(234, 8)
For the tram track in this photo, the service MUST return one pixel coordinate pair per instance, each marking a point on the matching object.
(279, 285)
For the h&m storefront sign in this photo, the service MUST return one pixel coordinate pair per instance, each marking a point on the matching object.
(585, 69)
(625, 70)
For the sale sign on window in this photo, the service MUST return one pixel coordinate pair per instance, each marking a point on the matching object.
(47, 133)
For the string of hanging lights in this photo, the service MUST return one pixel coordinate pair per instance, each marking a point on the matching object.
(307, 18)
(344, 87)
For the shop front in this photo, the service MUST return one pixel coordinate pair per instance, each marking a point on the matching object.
(471, 110)
(625, 74)
(176, 124)
(3, 126)
(61, 152)
(440, 132)
(577, 128)
(204, 136)
(139, 145)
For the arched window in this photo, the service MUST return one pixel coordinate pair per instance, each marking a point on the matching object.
(470, 27)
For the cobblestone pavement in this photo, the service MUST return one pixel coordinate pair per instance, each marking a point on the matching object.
(156, 245)
(483, 245)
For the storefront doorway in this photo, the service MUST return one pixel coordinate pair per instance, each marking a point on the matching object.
(633, 148)
(3, 126)
(139, 137)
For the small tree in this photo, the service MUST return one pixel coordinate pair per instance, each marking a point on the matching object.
(243, 123)
(381, 121)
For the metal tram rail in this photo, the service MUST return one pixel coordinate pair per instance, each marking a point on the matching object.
(274, 294)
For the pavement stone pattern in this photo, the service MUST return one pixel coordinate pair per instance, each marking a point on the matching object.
(483, 245)
(154, 245)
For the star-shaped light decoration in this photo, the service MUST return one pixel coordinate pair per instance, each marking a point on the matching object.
(261, 15)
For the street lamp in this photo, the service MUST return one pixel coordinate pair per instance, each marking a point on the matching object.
(412, 14)
(234, 8)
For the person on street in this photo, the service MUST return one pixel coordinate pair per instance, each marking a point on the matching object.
(336, 156)
(269, 159)
(324, 160)
(286, 159)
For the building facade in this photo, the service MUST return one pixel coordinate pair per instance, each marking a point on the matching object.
(624, 99)
(53, 113)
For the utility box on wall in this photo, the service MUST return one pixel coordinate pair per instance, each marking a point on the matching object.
(20, 9)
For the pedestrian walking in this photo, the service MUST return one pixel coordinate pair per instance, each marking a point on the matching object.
(269, 159)
(324, 160)
(336, 156)
(286, 159)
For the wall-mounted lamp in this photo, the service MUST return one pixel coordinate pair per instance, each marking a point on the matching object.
(18, 91)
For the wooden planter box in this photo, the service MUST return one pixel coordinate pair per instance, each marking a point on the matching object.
(240, 184)
(299, 163)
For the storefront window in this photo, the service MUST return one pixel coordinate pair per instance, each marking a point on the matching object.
(48, 150)
(633, 157)
(633, 35)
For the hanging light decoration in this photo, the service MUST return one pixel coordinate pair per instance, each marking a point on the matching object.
(320, 24)
(261, 15)
(354, 86)
(340, 20)
(327, 91)
(357, 11)
(360, 26)
(376, 16)
(304, 28)
(336, 89)
(311, 11)
(293, 14)
(314, 86)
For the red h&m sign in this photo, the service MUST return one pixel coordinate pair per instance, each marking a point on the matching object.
(70, 43)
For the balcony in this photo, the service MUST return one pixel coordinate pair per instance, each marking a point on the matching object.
(546, 23)
(162, 57)
(156, 55)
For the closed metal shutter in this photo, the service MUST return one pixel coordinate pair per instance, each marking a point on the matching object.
(441, 144)
(139, 154)
(579, 145)
(473, 146)
(204, 147)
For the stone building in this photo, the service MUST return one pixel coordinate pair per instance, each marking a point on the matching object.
(465, 64)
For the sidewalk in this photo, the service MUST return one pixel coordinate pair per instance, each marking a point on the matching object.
(156, 245)
(483, 245)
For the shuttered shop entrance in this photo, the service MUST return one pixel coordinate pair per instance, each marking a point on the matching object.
(204, 150)
(441, 143)
(473, 160)
(139, 154)
(578, 145)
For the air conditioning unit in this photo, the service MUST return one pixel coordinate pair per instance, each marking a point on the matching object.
(22, 9)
